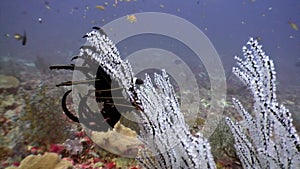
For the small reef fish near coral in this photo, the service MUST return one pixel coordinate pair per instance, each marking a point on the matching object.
(22, 38)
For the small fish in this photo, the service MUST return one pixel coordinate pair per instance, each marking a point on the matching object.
(18, 36)
(293, 25)
(21, 37)
(131, 18)
(47, 5)
(24, 39)
(102, 8)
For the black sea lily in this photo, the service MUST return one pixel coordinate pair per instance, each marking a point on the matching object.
(103, 83)
(167, 140)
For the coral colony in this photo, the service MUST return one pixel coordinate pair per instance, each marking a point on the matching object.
(163, 130)
(267, 140)
(271, 140)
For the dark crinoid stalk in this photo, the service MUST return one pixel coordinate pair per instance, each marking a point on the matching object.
(107, 91)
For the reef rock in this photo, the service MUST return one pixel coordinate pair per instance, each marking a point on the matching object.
(121, 140)
(46, 161)
(8, 82)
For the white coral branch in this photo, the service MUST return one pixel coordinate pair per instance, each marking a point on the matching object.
(267, 140)
(165, 132)
(168, 142)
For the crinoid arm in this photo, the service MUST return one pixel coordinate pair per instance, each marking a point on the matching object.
(109, 92)
(65, 108)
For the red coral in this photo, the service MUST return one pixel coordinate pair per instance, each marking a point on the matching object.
(33, 150)
(6, 164)
(79, 134)
(16, 164)
(110, 165)
(56, 148)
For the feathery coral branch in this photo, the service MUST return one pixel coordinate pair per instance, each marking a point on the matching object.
(271, 140)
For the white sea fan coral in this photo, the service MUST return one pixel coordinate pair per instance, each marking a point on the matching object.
(102, 50)
(168, 142)
(268, 139)
(265, 140)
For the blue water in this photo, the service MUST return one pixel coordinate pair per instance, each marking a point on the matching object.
(228, 24)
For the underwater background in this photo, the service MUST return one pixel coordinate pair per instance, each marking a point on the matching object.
(30, 103)
(227, 25)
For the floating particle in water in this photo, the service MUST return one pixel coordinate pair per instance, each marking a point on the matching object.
(161, 5)
(291, 37)
(116, 2)
(87, 8)
(40, 20)
(71, 11)
(131, 18)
